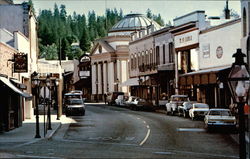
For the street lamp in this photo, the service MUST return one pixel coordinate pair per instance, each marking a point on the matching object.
(239, 82)
(48, 84)
(35, 83)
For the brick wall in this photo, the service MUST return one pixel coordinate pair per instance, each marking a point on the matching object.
(6, 67)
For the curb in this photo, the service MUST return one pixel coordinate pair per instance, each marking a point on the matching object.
(49, 137)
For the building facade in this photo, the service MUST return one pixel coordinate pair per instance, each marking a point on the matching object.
(196, 46)
(18, 33)
(152, 64)
(109, 56)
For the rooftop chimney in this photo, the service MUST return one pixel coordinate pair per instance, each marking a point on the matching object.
(227, 11)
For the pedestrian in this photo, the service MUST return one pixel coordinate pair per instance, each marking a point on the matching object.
(105, 98)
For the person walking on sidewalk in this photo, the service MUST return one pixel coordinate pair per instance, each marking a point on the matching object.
(105, 98)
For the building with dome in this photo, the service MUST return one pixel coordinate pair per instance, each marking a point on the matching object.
(110, 55)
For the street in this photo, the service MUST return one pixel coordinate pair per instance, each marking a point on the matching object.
(114, 132)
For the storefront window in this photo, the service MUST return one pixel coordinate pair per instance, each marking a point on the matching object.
(171, 54)
(164, 56)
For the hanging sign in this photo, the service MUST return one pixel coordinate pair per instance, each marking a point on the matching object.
(20, 63)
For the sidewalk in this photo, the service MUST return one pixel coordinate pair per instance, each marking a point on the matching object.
(26, 133)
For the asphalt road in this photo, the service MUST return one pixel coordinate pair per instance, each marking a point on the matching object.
(112, 132)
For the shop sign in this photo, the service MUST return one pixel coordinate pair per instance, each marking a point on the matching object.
(206, 50)
(20, 63)
(186, 39)
(83, 74)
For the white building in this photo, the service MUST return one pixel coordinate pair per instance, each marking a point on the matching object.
(109, 56)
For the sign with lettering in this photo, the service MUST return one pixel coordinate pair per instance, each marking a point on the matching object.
(20, 63)
(186, 39)
(206, 50)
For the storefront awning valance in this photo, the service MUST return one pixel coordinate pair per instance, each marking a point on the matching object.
(14, 88)
(131, 82)
(207, 76)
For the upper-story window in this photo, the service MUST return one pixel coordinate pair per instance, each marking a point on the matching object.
(171, 52)
(132, 62)
(151, 56)
(244, 22)
(164, 54)
(157, 50)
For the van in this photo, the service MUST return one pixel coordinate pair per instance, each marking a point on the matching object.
(71, 95)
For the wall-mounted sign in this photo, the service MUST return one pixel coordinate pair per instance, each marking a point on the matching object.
(186, 39)
(84, 74)
(219, 52)
(206, 50)
(20, 63)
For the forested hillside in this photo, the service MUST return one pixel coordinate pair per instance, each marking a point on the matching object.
(58, 30)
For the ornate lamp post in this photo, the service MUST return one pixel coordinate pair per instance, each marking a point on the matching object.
(239, 83)
(35, 83)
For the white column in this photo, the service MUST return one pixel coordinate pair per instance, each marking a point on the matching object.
(99, 79)
(124, 75)
(105, 77)
(118, 73)
(93, 75)
(111, 77)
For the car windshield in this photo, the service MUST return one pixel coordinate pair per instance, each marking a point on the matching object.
(201, 106)
(75, 102)
(221, 113)
(188, 105)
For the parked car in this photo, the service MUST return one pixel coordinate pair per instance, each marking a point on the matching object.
(75, 106)
(198, 110)
(111, 97)
(183, 110)
(120, 100)
(130, 101)
(175, 101)
(220, 118)
(141, 104)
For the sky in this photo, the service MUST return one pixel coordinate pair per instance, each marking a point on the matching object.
(168, 9)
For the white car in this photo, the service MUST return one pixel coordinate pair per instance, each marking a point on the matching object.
(198, 110)
(120, 100)
(175, 101)
(219, 118)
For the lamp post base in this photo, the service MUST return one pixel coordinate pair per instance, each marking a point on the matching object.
(37, 136)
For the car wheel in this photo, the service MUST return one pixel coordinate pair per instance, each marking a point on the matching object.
(179, 113)
(172, 112)
(192, 118)
(184, 114)
(83, 113)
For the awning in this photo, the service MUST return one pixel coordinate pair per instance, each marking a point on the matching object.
(14, 88)
(18, 83)
(212, 70)
(207, 76)
(131, 82)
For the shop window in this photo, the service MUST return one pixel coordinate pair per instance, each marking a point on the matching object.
(244, 22)
(171, 53)
(157, 55)
(164, 56)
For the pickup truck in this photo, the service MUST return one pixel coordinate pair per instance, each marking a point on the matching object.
(175, 101)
